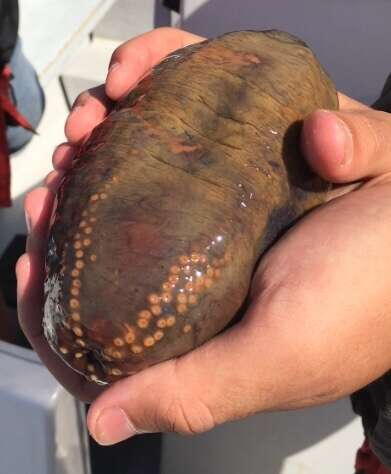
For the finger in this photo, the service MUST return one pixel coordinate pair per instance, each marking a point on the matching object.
(38, 207)
(89, 109)
(63, 156)
(348, 146)
(30, 275)
(347, 103)
(53, 180)
(188, 395)
(133, 59)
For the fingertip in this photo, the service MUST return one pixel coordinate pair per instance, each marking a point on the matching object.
(23, 272)
(34, 197)
(325, 144)
(78, 124)
(110, 82)
(114, 394)
(22, 269)
(113, 426)
(132, 60)
(63, 156)
(100, 405)
(71, 131)
(89, 109)
(91, 418)
(53, 180)
(22, 266)
(120, 79)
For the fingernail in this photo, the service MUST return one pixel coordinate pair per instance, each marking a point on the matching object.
(28, 222)
(78, 104)
(343, 137)
(113, 426)
(75, 107)
(113, 67)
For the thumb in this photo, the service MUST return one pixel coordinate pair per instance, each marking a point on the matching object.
(188, 395)
(349, 145)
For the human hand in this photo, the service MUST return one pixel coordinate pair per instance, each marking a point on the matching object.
(317, 327)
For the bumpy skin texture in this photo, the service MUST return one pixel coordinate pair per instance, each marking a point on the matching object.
(174, 198)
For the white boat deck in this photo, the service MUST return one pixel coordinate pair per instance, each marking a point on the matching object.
(53, 31)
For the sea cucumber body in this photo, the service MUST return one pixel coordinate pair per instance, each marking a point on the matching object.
(173, 199)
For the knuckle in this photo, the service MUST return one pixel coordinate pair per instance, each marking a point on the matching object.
(189, 417)
(183, 412)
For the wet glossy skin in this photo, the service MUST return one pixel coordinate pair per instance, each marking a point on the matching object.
(176, 195)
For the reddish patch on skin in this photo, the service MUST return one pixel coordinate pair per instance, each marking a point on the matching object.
(174, 146)
(221, 55)
(253, 58)
(183, 148)
(143, 238)
(102, 331)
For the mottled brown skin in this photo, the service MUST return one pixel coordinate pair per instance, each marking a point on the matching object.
(174, 198)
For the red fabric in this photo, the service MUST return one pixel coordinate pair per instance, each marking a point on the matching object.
(367, 462)
(7, 110)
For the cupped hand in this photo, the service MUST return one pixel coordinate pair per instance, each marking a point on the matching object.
(319, 323)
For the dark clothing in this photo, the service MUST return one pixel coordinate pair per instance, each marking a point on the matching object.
(384, 102)
(9, 21)
(367, 462)
(373, 402)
